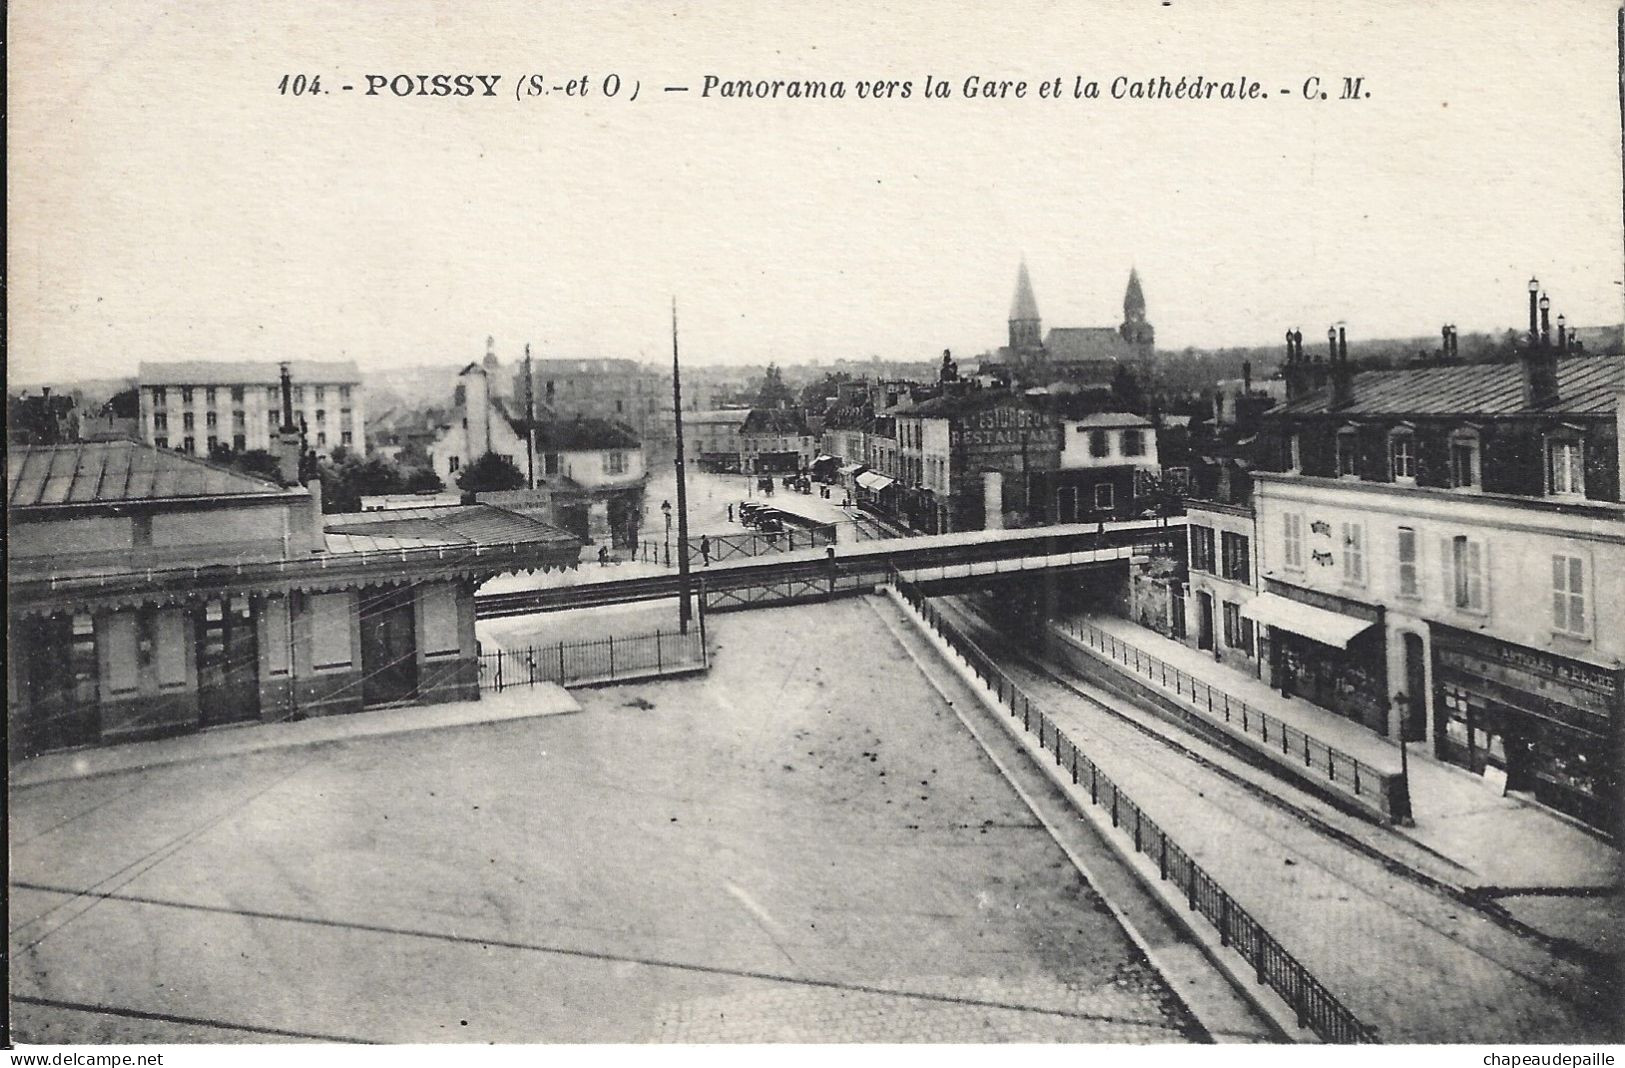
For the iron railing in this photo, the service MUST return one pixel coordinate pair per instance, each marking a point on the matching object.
(1342, 769)
(1315, 1006)
(598, 660)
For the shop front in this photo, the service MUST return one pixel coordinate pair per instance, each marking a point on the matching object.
(1547, 724)
(1325, 649)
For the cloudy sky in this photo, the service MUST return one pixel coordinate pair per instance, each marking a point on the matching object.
(167, 202)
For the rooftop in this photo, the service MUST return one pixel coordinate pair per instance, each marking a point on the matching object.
(104, 472)
(1586, 385)
(1112, 419)
(453, 525)
(246, 372)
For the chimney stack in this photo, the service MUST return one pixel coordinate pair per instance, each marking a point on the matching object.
(1545, 320)
(1534, 330)
(1539, 359)
(1562, 334)
(1341, 394)
(288, 437)
(1246, 378)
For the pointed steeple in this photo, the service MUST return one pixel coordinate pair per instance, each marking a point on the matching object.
(1133, 297)
(1026, 331)
(1024, 305)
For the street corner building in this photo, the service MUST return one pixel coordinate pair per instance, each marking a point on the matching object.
(154, 593)
(1437, 553)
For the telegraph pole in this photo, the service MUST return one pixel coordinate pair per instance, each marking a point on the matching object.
(530, 419)
(684, 609)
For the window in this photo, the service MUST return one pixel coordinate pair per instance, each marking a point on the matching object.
(238, 420)
(550, 464)
(1464, 463)
(1354, 553)
(346, 437)
(239, 442)
(1402, 456)
(1104, 496)
(237, 394)
(1292, 541)
(321, 415)
(1348, 454)
(1464, 563)
(213, 444)
(161, 442)
(1568, 594)
(186, 420)
(453, 463)
(344, 394)
(1201, 548)
(208, 396)
(276, 417)
(1565, 465)
(210, 419)
(619, 407)
(186, 394)
(1133, 443)
(160, 397)
(160, 421)
(1294, 453)
(189, 444)
(1097, 443)
(1238, 630)
(1236, 564)
(299, 394)
(273, 393)
(321, 394)
(1409, 582)
(344, 416)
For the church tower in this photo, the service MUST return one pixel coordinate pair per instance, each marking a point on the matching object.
(1026, 334)
(1135, 329)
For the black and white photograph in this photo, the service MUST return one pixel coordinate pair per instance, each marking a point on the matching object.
(649, 529)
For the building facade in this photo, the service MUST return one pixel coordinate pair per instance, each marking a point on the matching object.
(198, 407)
(154, 593)
(776, 441)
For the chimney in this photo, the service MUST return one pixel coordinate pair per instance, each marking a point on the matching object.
(1246, 378)
(1539, 366)
(1545, 321)
(288, 438)
(1342, 375)
(1562, 334)
(1534, 330)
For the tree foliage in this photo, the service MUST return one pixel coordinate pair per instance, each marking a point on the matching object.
(773, 393)
(490, 473)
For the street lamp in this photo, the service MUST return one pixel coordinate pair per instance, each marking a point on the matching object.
(1404, 705)
(665, 507)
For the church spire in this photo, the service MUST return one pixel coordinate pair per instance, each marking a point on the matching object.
(1133, 298)
(1135, 329)
(1025, 325)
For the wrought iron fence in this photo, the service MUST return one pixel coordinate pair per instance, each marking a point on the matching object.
(1316, 1007)
(1340, 768)
(599, 660)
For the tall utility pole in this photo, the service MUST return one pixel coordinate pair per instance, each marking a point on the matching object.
(684, 609)
(530, 419)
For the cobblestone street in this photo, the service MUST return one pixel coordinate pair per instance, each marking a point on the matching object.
(804, 845)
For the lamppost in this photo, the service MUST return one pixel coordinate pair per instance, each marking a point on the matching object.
(1403, 703)
(665, 507)
(684, 603)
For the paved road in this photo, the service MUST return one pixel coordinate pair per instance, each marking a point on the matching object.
(1415, 963)
(805, 845)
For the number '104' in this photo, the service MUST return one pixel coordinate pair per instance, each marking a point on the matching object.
(299, 84)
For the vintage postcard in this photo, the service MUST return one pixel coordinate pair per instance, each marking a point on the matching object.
(599, 524)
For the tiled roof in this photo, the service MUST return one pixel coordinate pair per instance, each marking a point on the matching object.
(245, 372)
(581, 433)
(1113, 419)
(1073, 344)
(1586, 385)
(448, 525)
(103, 472)
(975, 400)
(774, 421)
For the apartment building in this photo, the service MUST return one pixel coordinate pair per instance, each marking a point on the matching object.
(198, 407)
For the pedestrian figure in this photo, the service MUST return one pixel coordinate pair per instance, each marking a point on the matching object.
(603, 556)
(705, 549)
(730, 513)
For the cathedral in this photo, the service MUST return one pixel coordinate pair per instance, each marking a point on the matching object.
(1083, 354)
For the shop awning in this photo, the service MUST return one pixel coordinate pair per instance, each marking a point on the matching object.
(1318, 624)
(822, 458)
(869, 480)
(851, 469)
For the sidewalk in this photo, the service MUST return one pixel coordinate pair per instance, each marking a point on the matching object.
(1503, 841)
(543, 699)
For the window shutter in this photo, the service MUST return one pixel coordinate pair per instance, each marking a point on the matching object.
(1447, 570)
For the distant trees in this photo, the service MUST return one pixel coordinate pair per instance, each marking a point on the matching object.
(490, 473)
(815, 395)
(773, 393)
(256, 462)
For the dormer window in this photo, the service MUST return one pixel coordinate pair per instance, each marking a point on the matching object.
(1294, 453)
(1348, 453)
(1402, 454)
(1565, 464)
(1465, 466)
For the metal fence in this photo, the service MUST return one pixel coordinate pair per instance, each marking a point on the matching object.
(1347, 772)
(600, 660)
(758, 543)
(1316, 1007)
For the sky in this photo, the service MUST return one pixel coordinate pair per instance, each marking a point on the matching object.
(167, 202)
